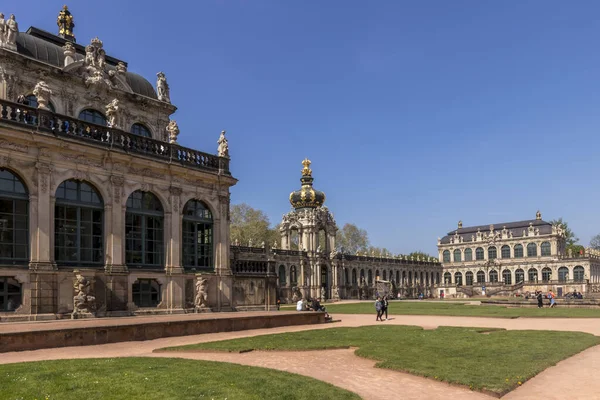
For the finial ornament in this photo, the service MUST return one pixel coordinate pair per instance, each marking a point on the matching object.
(538, 215)
(306, 171)
(223, 149)
(459, 224)
(65, 24)
(173, 131)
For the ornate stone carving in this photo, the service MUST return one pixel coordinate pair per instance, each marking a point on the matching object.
(82, 159)
(162, 87)
(112, 113)
(173, 131)
(175, 196)
(336, 293)
(145, 172)
(296, 294)
(43, 93)
(94, 64)
(43, 172)
(69, 52)
(201, 299)
(223, 149)
(5, 144)
(121, 67)
(83, 301)
(117, 183)
(81, 176)
(9, 30)
(323, 295)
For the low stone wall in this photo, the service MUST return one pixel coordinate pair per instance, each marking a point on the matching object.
(27, 339)
(533, 303)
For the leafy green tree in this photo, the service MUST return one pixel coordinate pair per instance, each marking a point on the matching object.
(418, 253)
(595, 242)
(249, 224)
(352, 239)
(570, 237)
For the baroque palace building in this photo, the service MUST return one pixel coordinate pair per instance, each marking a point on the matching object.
(514, 257)
(102, 212)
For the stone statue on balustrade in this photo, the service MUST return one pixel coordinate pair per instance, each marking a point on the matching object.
(9, 30)
(43, 93)
(223, 149)
(173, 131)
(162, 87)
(84, 303)
(201, 299)
(112, 113)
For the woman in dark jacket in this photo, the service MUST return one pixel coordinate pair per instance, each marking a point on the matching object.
(539, 299)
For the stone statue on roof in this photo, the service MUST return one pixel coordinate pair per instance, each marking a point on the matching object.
(162, 87)
(223, 149)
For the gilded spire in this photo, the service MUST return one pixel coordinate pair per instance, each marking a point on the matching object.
(65, 24)
(306, 171)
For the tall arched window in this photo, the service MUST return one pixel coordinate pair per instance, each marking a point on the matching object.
(197, 236)
(518, 250)
(437, 278)
(494, 276)
(446, 255)
(507, 277)
(92, 116)
(346, 278)
(384, 275)
(546, 274)
(480, 277)
(294, 276)
(468, 255)
(563, 274)
(144, 223)
(457, 255)
(141, 130)
(532, 250)
(78, 224)
(410, 280)
(505, 251)
(479, 253)
(469, 278)
(370, 277)
(545, 248)
(354, 281)
(532, 274)
(397, 277)
(362, 276)
(519, 275)
(492, 253)
(14, 220)
(377, 276)
(282, 280)
(447, 278)
(32, 101)
(578, 273)
(458, 278)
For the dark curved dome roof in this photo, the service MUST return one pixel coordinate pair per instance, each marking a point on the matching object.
(41, 49)
(307, 197)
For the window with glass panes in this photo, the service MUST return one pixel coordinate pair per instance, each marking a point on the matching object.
(519, 275)
(507, 277)
(146, 293)
(505, 251)
(446, 255)
(282, 281)
(492, 252)
(532, 250)
(480, 277)
(197, 236)
(447, 278)
(370, 276)
(354, 279)
(141, 130)
(458, 279)
(10, 294)
(78, 224)
(144, 222)
(92, 116)
(563, 274)
(469, 278)
(578, 273)
(532, 275)
(546, 249)
(493, 276)
(32, 101)
(14, 220)
(457, 255)
(479, 253)
(546, 274)
(293, 276)
(518, 251)
(468, 255)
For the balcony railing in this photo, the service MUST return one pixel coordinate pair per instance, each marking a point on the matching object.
(351, 257)
(112, 138)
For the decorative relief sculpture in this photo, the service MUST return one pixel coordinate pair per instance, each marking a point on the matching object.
(296, 294)
(9, 30)
(223, 149)
(323, 295)
(201, 299)
(121, 67)
(173, 131)
(112, 111)
(336, 293)
(162, 88)
(69, 52)
(83, 301)
(43, 93)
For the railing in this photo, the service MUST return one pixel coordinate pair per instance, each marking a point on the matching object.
(247, 249)
(112, 138)
(289, 252)
(244, 267)
(351, 257)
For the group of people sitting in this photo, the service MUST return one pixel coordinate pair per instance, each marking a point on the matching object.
(314, 305)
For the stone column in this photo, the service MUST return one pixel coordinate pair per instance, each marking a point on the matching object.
(114, 228)
(222, 256)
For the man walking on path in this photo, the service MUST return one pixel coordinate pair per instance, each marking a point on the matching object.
(384, 304)
(540, 299)
(379, 309)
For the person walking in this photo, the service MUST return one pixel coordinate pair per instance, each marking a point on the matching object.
(385, 304)
(378, 308)
(540, 299)
(551, 297)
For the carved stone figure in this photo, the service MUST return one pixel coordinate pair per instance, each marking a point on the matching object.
(162, 87)
(2, 28)
(296, 294)
(173, 131)
(69, 52)
(336, 293)
(201, 299)
(121, 67)
(94, 65)
(83, 301)
(43, 93)
(11, 30)
(323, 295)
(223, 149)
(112, 112)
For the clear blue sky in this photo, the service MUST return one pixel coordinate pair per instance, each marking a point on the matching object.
(415, 114)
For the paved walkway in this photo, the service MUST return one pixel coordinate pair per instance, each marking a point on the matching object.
(572, 377)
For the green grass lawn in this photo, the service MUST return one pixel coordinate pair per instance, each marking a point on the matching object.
(156, 378)
(466, 310)
(481, 358)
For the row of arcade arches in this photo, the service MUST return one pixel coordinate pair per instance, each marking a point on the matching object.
(533, 275)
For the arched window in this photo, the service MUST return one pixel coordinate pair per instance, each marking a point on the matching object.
(519, 275)
(578, 273)
(532, 250)
(346, 278)
(457, 255)
(377, 276)
(546, 274)
(479, 253)
(480, 277)
(545, 248)
(410, 281)
(354, 281)
(507, 277)
(78, 224)
(468, 255)
(397, 277)
(458, 278)
(563, 274)
(294, 275)
(403, 277)
(144, 223)
(362, 276)
(146, 293)
(384, 275)
(469, 278)
(370, 276)
(447, 278)
(142, 130)
(446, 255)
(533, 274)
(10, 294)
(492, 253)
(32, 101)
(197, 235)
(518, 250)
(14, 224)
(92, 116)
(282, 280)
(494, 276)
(505, 251)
